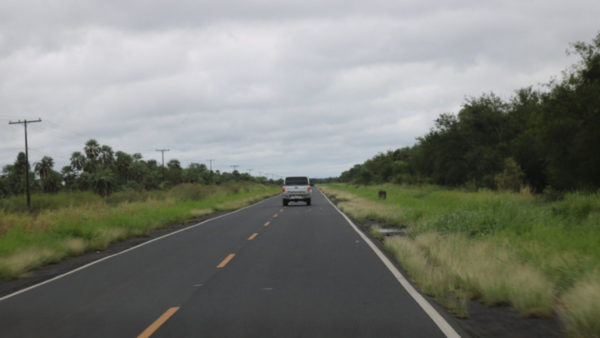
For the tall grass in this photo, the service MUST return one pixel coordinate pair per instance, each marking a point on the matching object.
(502, 248)
(67, 227)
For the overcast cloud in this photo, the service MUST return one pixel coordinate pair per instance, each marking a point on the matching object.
(303, 87)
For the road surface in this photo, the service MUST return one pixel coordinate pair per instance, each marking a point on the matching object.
(263, 271)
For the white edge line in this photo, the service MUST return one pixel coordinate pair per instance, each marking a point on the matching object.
(124, 251)
(431, 312)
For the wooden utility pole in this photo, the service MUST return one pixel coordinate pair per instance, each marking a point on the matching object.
(211, 161)
(163, 161)
(24, 123)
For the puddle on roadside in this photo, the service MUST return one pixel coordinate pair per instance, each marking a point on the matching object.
(392, 231)
(386, 230)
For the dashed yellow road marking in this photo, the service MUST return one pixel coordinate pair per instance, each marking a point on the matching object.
(252, 237)
(281, 210)
(267, 224)
(226, 260)
(275, 215)
(160, 321)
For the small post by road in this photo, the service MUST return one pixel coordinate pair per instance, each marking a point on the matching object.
(163, 161)
(24, 123)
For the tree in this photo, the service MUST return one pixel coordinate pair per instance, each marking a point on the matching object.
(69, 176)
(103, 182)
(44, 167)
(123, 162)
(92, 149)
(106, 156)
(77, 161)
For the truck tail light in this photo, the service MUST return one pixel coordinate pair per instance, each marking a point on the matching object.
(282, 188)
(308, 188)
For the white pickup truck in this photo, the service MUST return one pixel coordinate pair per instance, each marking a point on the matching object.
(296, 188)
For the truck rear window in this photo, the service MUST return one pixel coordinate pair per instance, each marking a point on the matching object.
(296, 181)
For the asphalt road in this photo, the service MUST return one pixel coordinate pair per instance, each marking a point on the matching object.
(264, 271)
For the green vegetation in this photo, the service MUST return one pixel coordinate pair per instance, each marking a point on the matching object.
(101, 170)
(545, 139)
(69, 224)
(536, 255)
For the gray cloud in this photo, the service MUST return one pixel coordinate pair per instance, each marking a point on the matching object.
(298, 87)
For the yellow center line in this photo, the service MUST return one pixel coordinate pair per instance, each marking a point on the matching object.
(266, 224)
(275, 215)
(160, 321)
(252, 237)
(226, 260)
(281, 210)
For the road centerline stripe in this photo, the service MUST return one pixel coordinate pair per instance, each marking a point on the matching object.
(226, 260)
(275, 215)
(267, 224)
(158, 323)
(252, 237)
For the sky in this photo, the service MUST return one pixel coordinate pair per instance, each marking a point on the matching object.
(281, 87)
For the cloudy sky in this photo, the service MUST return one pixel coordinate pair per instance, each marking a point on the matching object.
(297, 87)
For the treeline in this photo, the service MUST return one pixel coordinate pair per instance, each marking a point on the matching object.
(546, 139)
(98, 168)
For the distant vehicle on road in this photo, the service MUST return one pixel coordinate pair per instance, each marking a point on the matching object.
(296, 189)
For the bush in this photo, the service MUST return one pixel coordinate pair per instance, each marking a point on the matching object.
(511, 178)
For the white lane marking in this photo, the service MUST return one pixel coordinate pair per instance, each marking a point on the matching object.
(431, 312)
(124, 251)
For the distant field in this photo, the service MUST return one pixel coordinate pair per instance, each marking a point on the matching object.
(68, 224)
(501, 248)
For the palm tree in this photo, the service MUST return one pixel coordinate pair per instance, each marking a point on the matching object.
(106, 155)
(92, 149)
(68, 175)
(137, 157)
(44, 167)
(77, 161)
(123, 161)
(103, 182)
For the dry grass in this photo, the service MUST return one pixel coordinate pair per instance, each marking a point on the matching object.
(432, 279)
(240, 203)
(582, 308)
(475, 269)
(201, 212)
(22, 262)
(30, 240)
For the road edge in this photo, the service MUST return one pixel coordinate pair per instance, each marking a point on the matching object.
(437, 318)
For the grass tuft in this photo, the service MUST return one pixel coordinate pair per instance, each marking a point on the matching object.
(582, 308)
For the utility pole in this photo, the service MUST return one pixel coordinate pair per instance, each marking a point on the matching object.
(163, 161)
(211, 161)
(234, 166)
(250, 171)
(24, 123)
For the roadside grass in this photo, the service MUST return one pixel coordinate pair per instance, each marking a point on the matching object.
(500, 248)
(583, 307)
(62, 229)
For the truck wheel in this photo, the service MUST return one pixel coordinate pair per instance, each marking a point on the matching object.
(285, 203)
(308, 202)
